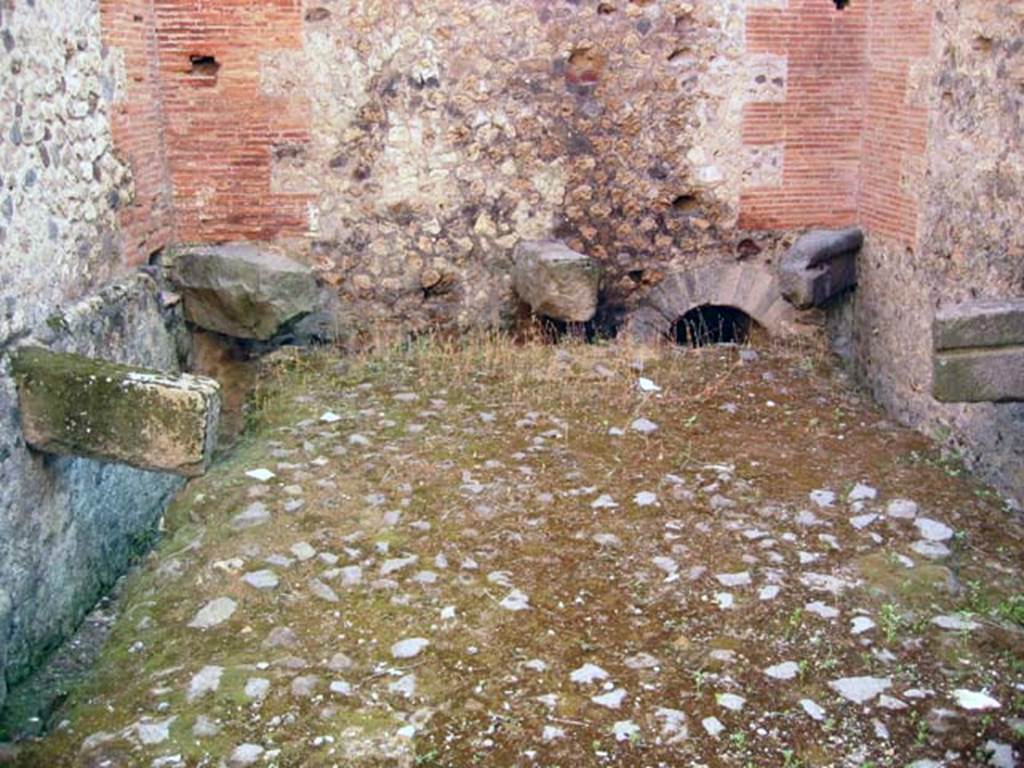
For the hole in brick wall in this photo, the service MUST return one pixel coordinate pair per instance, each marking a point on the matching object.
(317, 14)
(713, 324)
(747, 248)
(204, 66)
(686, 203)
(840, 4)
(584, 66)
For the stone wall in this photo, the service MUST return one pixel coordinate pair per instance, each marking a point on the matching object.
(68, 528)
(60, 180)
(957, 205)
(403, 148)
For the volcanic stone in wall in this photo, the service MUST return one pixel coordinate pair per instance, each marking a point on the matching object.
(80, 406)
(556, 281)
(979, 352)
(820, 265)
(242, 290)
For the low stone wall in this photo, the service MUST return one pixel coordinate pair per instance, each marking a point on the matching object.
(70, 527)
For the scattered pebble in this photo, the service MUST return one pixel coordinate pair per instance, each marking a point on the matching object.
(410, 648)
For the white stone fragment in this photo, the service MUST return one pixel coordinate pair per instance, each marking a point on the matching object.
(860, 690)
(731, 701)
(645, 499)
(552, 733)
(245, 754)
(515, 601)
(644, 426)
(902, 509)
(588, 673)
(823, 498)
(397, 564)
(213, 613)
(861, 522)
(933, 550)
(151, 732)
(821, 582)
(713, 726)
(666, 564)
(261, 579)
(933, 530)
(820, 609)
(409, 648)
(1000, 755)
(888, 702)
(625, 730)
(207, 680)
(974, 700)
(341, 688)
(813, 711)
(861, 624)
(404, 686)
(642, 661)
(611, 700)
(262, 475)
(318, 589)
(955, 623)
(862, 492)
(741, 579)
(787, 670)
(303, 551)
(257, 688)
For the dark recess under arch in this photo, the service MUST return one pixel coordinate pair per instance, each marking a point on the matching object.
(710, 324)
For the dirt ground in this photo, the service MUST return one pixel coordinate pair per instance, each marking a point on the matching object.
(490, 554)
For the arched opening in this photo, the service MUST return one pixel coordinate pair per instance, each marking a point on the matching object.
(711, 324)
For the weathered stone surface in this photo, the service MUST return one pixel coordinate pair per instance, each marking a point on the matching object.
(979, 352)
(964, 195)
(980, 375)
(984, 323)
(556, 281)
(748, 287)
(242, 290)
(80, 406)
(820, 265)
(70, 527)
(5, 621)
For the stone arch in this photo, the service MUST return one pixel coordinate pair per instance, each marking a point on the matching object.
(751, 288)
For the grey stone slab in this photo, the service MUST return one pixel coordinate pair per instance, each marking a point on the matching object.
(556, 281)
(242, 290)
(979, 375)
(81, 406)
(820, 265)
(984, 323)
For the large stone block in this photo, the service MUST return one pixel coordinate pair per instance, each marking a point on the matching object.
(820, 265)
(982, 323)
(80, 406)
(556, 281)
(979, 352)
(242, 290)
